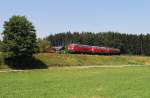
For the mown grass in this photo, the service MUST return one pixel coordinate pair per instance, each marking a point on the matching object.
(128, 82)
(90, 60)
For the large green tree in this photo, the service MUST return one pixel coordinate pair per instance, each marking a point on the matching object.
(19, 37)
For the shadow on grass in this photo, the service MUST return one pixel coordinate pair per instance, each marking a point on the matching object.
(25, 63)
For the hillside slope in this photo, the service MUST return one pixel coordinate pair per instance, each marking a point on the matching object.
(45, 60)
(90, 60)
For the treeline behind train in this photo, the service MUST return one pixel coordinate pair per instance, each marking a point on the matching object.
(127, 43)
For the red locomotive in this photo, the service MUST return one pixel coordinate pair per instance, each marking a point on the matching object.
(78, 48)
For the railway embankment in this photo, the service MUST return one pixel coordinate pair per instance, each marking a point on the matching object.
(68, 60)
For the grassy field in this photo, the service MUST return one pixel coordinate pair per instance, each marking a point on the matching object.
(79, 82)
(128, 82)
(90, 60)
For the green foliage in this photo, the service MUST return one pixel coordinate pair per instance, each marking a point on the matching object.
(1, 46)
(127, 43)
(19, 37)
(1, 59)
(43, 44)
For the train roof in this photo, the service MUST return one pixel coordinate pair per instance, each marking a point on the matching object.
(95, 46)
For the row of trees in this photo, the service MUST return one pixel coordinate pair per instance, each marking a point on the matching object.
(128, 43)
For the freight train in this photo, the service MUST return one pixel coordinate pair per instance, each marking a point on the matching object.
(78, 48)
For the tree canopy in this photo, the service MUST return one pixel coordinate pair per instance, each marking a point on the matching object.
(19, 37)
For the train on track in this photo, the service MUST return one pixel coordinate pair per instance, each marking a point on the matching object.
(78, 48)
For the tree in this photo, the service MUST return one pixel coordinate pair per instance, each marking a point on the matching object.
(1, 46)
(43, 44)
(19, 37)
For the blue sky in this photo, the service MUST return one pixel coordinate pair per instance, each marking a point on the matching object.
(53, 16)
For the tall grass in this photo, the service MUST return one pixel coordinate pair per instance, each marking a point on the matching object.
(46, 60)
(90, 60)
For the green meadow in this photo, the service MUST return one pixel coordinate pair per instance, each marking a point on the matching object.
(72, 76)
(126, 82)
